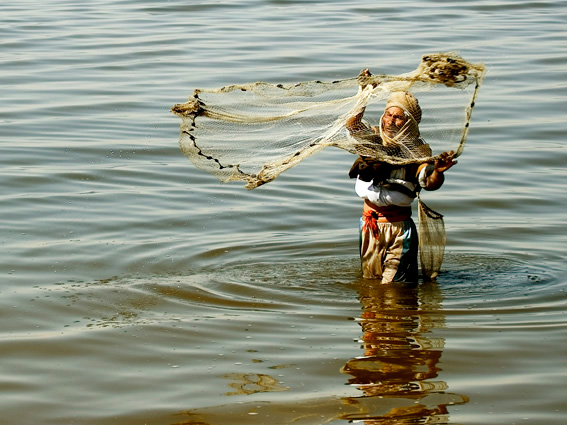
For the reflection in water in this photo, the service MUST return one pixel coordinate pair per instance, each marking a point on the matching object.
(397, 370)
(397, 373)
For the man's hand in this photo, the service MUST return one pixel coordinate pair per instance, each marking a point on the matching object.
(445, 161)
(364, 79)
(436, 177)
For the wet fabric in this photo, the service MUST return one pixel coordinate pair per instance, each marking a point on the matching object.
(388, 251)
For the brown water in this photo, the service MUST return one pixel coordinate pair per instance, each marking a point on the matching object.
(137, 290)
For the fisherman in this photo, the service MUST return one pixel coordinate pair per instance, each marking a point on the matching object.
(388, 235)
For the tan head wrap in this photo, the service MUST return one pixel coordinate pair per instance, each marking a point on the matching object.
(408, 134)
(406, 101)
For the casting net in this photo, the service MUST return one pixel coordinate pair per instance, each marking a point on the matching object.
(253, 132)
(432, 240)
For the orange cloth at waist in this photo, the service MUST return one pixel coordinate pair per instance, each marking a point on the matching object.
(372, 214)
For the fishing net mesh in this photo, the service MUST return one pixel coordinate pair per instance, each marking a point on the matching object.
(432, 238)
(253, 132)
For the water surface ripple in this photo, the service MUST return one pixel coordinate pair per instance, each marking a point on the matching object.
(138, 290)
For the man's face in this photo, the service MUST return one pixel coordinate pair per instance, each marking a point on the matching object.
(393, 119)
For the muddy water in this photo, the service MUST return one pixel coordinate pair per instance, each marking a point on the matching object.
(137, 290)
